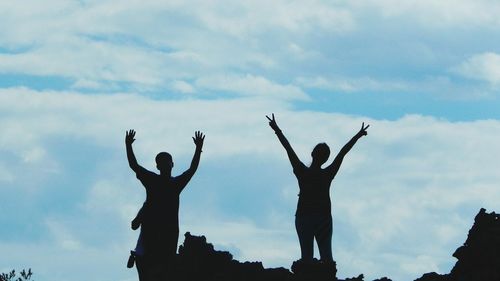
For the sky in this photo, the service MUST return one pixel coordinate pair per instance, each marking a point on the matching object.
(75, 75)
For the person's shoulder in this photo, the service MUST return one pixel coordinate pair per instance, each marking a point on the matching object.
(179, 177)
(300, 169)
(143, 172)
(327, 173)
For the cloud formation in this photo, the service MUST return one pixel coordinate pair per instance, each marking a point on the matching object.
(483, 67)
(74, 75)
(148, 47)
(435, 175)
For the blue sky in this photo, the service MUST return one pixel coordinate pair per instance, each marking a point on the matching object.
(74, 75)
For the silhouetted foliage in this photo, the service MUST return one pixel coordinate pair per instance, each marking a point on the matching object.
(12, 276)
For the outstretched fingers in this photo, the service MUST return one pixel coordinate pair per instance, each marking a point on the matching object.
(363, 126)
(271, 120)
(129, 136)
(363, 131)
(199, 135)
(198, 138)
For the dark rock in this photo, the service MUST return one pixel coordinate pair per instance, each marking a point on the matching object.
(478, 260)
(198, 260)
(383, 279)
(433, 276)
(315, 270)
(359, 278)
(479, 257)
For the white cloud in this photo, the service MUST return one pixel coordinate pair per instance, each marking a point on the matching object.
(109, 196)
(80, 58)
(95, 42)
(237, 18)
(82, 84)
(251, 85)
(405, 190)
(352, 84)
(183, 87)
(415, 180)
(436, 14)
(276, 246)
(34, 155)
(102, 45)
(484, 67)
(62, 236)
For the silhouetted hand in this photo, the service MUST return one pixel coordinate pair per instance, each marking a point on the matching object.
(272, 123)
(129, 136)
(135, 224)
(198, 139)
(362, 131)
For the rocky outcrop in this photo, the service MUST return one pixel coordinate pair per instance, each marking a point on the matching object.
(478, 260)
(198, 260)
(479, 257)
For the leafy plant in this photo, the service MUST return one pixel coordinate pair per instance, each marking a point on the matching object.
(12, 276)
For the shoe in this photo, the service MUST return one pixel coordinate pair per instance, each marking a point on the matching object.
(131, 260)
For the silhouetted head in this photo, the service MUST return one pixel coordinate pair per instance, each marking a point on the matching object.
(320, 153)
(164, 162)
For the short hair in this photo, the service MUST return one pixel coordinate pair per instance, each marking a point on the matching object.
(163, 157)
(321, 150)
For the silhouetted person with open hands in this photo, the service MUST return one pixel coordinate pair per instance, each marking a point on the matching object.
(313, 218)
(159, 216)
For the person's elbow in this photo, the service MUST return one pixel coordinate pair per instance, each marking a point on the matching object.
(192, 169)
(134, 167)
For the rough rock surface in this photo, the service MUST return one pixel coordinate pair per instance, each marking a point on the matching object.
(198, 260)
(478, 260)
(479, 257)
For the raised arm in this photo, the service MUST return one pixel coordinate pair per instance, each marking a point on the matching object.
(292, 156)
(129, 139)
(335, 166)
(198, 139)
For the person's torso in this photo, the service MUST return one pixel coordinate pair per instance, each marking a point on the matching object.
(162, 201)
(314, 196)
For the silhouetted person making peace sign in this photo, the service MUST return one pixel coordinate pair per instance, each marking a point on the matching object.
(313, 219)
(160, 213)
